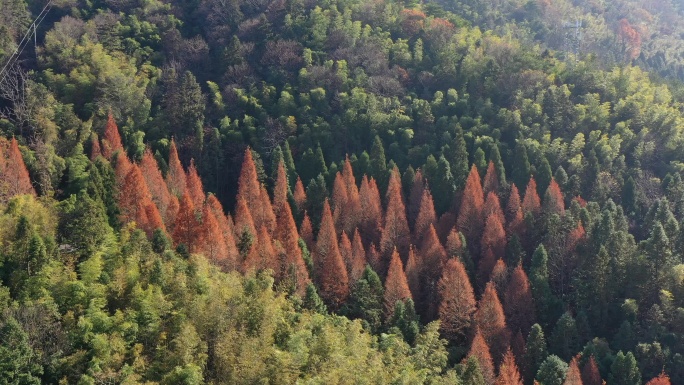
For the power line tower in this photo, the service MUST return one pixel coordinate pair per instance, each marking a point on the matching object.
(573, 39)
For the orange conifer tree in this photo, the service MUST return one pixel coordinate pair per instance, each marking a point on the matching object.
(194, 185)
(155, 184)
(338, 201)
(186, 225)
(371, 211)
(243, 220)
(171, 213)
(122, 168)
(426, 217)
(590, 373)
(518, 301)
(485, 267)
(457, 301)
(373, 257)
(135, 202)
(353, 209)
(491, 180)
(518, 346)
(553, 199)
(262, 254)
(575, 237)
(249, 187)
(492, 206)
(531, 202)
(175, 178)
(299, 196)
(662, 379)
(395, 232)
(494, 236)
(345, 247)
(211, 241)
(514, 214)
(358, 258)
(306, 231)
(508, 371)
(264, 211)
(454, 244)
(573, 376)
(293, 268)
(111, 142)
(470, 219)
(432, 254)
(491, 322)
(413, 274)
(331, 274)
(480, 350)
(226, 229)
(396, 285)
(14, 177)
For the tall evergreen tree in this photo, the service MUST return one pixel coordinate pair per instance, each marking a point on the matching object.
(521, 165)
(330, 272)
(624, 370)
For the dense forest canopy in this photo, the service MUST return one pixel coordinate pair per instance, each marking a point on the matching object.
(279, 191)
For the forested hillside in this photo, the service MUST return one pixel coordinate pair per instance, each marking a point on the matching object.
(281, 191)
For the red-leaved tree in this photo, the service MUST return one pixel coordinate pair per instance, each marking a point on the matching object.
(14, 177)
(358, 258)
(426, 217)
(111, 142)
(508, 371)
(186, 226)
(156, 185)
(371, 211)
(489, 318)
(330, 272)
(590, 373)
(396, 285)
(395, 232)
(457, 301)
(175, 177)
(518, 301)
(194, 185)
(491, 180)
(480, 350)
(573, 376)
(470, 219)
(514, 213)
(531, 202)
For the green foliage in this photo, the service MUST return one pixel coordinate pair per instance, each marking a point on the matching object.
(624, 370)
(552, 371)
(17, 360)
(365, 300)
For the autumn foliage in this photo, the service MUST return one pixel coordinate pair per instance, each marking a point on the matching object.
(573, 376)
(175, 178)
(470, 219)
(662, 379)
(480, 350)
(518, 301)
(14, 177)
(590, 373)
(111, 142)
(330, 271)
(508, 371)
(491, 322)
(457, 301)
(396, 285)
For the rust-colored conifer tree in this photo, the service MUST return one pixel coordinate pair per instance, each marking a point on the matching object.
(306, 231)
(338, 201)
(575, 238)
(573, 376)
(249, 187)
(155, 184)
(171, 213)
(413, 274)
(345, 247)
(264, 211)
(492, 206)
(111, 142)
(518, 301)
(299, 196)
(373, 257)
(330, 272)
(489, 318)
(470, 219)
(494, 236)
(186, 226)
(480, 350)
(491, 179)
(508, 371)
(175, 177)
(514, 214)
(358, 258)
(518, 347)
(371, 211)
(531, 202)
(454, 244)
(457, 301)
(243, 220)
(211, 241)
(553, 199)
(262, 255)
(194, 185)
(122, 167)
(293, 268)
(352, 217)
(426, 217)
(485, 267)
(662, 379)
(230, 262)
(590, 373)
(14, 177)
(395, 232)
(396, 285)
(135, 202)
(445, 224)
